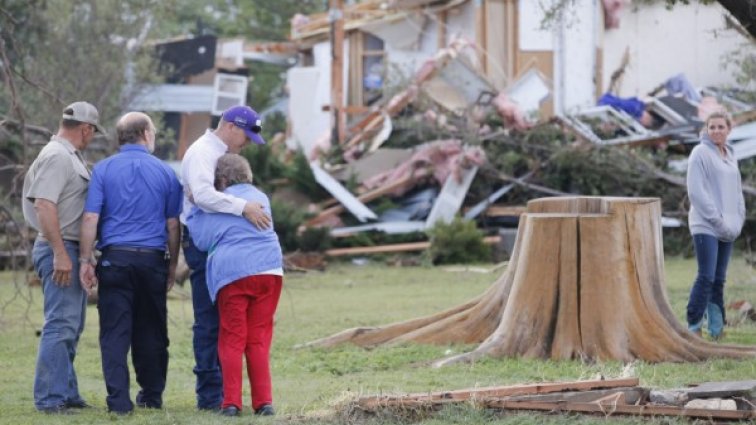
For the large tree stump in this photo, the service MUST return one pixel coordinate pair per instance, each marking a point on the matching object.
(586, 280)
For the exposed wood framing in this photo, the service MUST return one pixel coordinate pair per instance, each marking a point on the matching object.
(480, 33)
(356, 42)
(337, 69)
(364, 12)
(497, 42)
(442, 18)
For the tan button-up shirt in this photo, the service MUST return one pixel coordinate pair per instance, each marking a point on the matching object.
(59, 175)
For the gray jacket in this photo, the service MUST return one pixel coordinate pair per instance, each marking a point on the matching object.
(717, 207)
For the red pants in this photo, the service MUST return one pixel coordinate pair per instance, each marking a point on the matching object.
(246, 308)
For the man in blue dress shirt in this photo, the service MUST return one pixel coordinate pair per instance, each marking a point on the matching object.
(134, 201)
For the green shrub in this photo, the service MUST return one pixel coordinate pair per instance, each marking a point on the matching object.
(287, 218)
(266, 166)
(458, 242)
(315, 239)
(301, 177)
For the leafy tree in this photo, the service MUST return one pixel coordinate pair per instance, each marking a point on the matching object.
(254, 21)
(266, 20)
(60, 51)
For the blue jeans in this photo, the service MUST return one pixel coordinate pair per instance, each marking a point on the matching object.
(707, 294)
(209, 387)
(55, 381)
(133, 314)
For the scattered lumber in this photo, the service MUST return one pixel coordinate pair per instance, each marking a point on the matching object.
(400, 247)
(605, 397)
(364, 198)
(724, 389)
(622, 409)
(456, 396)
(628, 395)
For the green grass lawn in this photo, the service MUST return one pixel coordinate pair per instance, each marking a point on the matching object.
(310, 383)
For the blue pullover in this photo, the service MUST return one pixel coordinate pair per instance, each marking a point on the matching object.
(236, 249)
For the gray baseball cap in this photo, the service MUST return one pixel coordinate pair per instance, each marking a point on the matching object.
(84, 112)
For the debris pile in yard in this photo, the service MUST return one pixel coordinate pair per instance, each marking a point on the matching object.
(449, 144)
(710, 400)
(415, 112)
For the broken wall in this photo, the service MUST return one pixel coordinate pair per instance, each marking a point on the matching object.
(405, 61)
(460, 23)
(688, 38)
(576, 39)
(311, 87)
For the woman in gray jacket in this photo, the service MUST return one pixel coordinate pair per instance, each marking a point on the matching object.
(716, 217)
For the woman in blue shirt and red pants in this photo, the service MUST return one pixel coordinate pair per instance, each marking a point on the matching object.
(244, 278)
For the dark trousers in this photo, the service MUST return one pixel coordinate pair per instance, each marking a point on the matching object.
(133, 313)
(209, 386)
(707, 294)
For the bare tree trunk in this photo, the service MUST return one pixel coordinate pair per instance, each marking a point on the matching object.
(586, 280)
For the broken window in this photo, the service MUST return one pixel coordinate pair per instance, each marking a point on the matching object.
(367, 70)
(605, 125)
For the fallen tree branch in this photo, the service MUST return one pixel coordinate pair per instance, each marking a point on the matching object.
(536, 187)
(15, 102)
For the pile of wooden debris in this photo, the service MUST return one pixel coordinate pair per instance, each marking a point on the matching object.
(710, 400)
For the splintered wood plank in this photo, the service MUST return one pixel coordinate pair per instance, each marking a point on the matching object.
(372, 402)
(724, 389)
(400, 247)
(631, 395)
(364, 198)
(620, 409)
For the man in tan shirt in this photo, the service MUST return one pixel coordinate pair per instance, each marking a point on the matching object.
(55, 188)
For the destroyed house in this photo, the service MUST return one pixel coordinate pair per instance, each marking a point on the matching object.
(546, 64)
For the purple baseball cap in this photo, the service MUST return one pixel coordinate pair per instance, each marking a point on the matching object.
(247, 119)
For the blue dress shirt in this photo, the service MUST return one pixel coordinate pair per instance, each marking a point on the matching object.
(134, 193)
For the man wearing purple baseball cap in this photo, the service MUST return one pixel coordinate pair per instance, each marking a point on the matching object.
(237, 127)
(247, 119)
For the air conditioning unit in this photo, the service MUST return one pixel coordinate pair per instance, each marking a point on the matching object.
(228, 90)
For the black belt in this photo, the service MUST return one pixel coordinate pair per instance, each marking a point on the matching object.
(136, 249)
